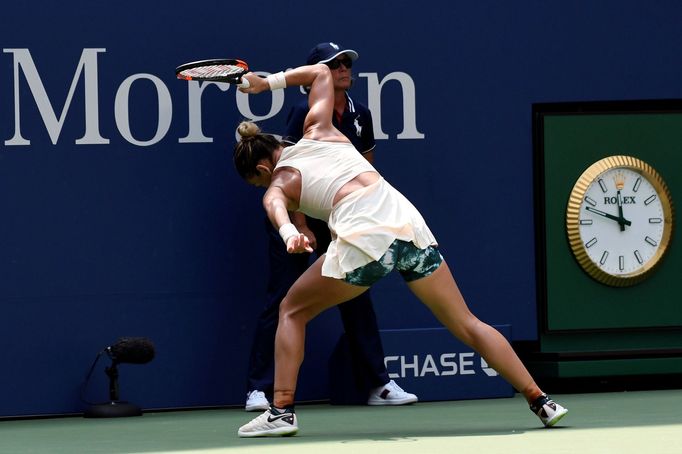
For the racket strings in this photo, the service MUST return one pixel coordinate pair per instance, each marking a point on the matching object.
(213, 71)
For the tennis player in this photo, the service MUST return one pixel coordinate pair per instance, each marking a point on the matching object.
(375, 230)
(358, 318)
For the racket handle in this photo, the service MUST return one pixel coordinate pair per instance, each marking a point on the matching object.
(244, 83)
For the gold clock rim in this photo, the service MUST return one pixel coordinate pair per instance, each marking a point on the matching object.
(573, 218)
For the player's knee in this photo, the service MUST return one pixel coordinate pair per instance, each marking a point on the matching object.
(468, 330)
(291, 310)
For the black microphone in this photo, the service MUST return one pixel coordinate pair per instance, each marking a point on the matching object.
(133, 350)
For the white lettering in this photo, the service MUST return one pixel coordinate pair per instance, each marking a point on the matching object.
(122, 114)
(419, 366)
(409, 102)
(464, 361)
(429, 367)
(413, 365)
(387, 360)
(87, 70)
(489, 371)
(277, 101)
(451, 364)
(88, 66)
(194, 92)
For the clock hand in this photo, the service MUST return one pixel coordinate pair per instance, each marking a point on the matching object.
(621, 220)
(620, 211)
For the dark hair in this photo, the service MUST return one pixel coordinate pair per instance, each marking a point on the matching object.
(252, 147)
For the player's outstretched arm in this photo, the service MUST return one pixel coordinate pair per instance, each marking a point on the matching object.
(320, 99)
(302, 76)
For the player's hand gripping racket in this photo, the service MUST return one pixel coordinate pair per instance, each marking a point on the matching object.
(216, 70)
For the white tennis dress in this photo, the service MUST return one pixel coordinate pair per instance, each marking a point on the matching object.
(364, 223)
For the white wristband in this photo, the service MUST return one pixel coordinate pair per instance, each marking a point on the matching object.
(276, 80)
(287, 231)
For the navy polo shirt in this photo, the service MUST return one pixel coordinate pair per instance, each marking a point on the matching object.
(356, 124)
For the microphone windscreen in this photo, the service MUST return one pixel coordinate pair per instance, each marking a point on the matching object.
(134, 350)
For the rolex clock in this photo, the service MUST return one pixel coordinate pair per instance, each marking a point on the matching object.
(619, 220)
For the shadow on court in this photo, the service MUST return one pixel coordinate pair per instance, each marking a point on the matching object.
(340, 426)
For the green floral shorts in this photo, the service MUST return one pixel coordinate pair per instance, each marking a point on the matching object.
(410, 261)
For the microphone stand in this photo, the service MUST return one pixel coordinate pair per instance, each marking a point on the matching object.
(112, 373)
(114, 408)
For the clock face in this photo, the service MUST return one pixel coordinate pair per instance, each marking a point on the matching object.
(619, 220)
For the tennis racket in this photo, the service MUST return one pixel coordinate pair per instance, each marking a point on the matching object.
(215, 70)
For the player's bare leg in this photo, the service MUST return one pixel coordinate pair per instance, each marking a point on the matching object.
(440, 293)
(311, 294)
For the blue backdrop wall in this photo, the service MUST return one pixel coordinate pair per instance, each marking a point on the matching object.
(121, 214)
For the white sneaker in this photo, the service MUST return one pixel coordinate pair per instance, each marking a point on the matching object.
(547, 410)
(390, 394)
(256, 401)
(272, 423)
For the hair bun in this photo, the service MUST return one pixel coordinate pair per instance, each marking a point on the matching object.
(248, 129)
